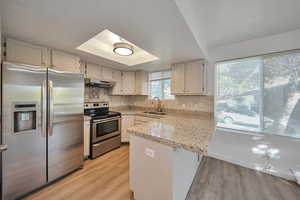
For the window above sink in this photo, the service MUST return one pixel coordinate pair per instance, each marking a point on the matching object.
(160, 85)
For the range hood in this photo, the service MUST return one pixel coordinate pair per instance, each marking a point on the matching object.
(98, 83)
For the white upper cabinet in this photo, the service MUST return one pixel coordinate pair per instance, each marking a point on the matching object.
(141, 83)
(128, 82)
(209, 87)
(118, 87)
(64, 62)
(107, 73)
(188, 78)
(93, 71)
(194, 78)
(178, 77)
(24, 53)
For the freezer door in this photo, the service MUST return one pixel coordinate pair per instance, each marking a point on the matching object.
(65, 123)
(24, 162)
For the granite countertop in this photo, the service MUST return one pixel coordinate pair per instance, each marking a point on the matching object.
(189, 131)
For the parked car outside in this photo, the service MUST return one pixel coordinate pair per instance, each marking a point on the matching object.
(241, 116)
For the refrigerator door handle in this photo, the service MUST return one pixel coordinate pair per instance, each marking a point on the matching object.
(50, 103)
(3, 147)
(44, 108)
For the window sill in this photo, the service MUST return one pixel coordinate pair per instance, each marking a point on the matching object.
(228, 130)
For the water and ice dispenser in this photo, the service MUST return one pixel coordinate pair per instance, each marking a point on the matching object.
(25, 118)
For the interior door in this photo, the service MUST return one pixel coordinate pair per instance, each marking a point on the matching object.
(24, 162)
(65, 123)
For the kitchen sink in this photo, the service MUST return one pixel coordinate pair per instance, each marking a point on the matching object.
(155, 113)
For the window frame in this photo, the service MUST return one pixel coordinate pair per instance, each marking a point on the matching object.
(260, 94)
(162, 85)
(261, 89)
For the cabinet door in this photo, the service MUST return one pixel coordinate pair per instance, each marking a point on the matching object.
(209, 80)
(93, 71)
(86, 139)
(141, 83)
(178, 76)
(117, 78)
(25, 53)
(107, 73)
(65, 62)
(194, 82)
(128, 80)
(127, 122)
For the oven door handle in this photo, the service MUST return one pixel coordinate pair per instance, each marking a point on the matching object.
(106, 120)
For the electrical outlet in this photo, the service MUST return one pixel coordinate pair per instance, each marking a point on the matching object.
(149, 152)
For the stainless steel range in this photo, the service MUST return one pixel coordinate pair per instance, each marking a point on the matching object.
(105, 128)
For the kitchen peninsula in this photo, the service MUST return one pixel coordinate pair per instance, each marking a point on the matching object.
(170, 147)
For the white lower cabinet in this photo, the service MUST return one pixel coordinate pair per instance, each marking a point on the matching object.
(127, 122)
(86, 139)
(158, 171)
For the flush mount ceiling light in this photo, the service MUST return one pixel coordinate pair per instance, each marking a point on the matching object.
(109, 45)
(123, 49)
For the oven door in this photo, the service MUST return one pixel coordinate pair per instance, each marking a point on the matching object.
(106, 128)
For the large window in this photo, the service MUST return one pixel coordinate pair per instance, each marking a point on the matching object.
(260, 94)
(160, 85)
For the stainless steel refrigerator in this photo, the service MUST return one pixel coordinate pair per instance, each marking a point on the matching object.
(42, 126)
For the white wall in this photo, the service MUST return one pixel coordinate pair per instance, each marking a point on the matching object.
(237, 147)
(191, 15)
(281, 42)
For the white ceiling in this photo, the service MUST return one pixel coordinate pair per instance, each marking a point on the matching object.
(222, 22)
(173, 30)
(154, 25)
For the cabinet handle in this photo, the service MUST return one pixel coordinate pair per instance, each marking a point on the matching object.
(203, 77)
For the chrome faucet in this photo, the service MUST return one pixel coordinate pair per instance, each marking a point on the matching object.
(158, 104)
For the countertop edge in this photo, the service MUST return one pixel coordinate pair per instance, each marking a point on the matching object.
(168, 142)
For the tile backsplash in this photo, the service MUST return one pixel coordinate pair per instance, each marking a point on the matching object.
(102, 94)
(181, 103)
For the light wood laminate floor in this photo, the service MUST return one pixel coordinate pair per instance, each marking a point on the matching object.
(219, 180)
(105, 178)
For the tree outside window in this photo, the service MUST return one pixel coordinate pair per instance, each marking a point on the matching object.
(160, 85)
(260, 94)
